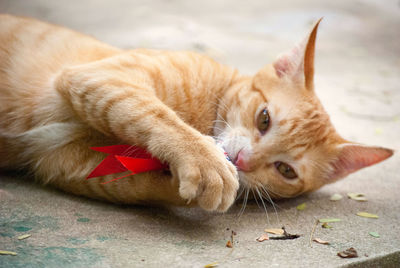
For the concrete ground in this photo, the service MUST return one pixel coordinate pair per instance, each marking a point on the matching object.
(357, 79)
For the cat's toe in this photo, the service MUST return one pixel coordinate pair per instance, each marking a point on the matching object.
(189, 183)
(231, 186)
(210, 196)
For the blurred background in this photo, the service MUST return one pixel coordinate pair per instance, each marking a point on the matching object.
(358, 47)
(357, 79)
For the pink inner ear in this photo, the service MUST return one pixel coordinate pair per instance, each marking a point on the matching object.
(353, 157)
(282, 66)
(290, 63)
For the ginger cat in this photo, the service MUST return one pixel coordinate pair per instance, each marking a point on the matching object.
(62, 92)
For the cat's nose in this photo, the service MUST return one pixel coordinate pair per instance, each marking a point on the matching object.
(241, 162)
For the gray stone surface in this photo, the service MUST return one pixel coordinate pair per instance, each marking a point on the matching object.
(357, 79)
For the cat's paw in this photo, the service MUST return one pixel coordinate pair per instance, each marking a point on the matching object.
(207, 176)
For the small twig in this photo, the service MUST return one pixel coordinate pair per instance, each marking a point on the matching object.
(284, 231)
(286, 235)
(233, 233)
(313, 231)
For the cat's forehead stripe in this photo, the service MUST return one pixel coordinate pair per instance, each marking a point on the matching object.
(258, 90)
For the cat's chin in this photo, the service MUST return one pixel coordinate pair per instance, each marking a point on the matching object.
(245, 183)
(242, 179)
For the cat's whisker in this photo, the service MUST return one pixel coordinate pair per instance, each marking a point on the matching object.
(269, 199)
(262, 201)
(222, 121)
(275, 205)
(276, 193)
(217, 128)
(255, 198)
(227, 124)
(219, 116)
(130, 151)
(223, 107)
(220, 104)
(244, 202)
(240, 193)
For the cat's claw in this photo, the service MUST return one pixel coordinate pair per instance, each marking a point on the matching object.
(209, 178)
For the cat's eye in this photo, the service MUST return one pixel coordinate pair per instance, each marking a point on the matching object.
(286, 170)
(263, 121)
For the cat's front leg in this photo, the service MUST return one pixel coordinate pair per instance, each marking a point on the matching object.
(109, 100)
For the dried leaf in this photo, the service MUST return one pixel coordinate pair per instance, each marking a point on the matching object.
(327, 220)
(320, 241)
(274, 231)
(348, 253)
(5, 252)
(229, 244)
(21, 237)
(357, 196)
(326, 225)
(374, 234)
(301, 206)
(367, 215)
(336, 197)
(213, 264)
(263, 237)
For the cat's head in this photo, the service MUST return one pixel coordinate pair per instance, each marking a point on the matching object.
(277, 133)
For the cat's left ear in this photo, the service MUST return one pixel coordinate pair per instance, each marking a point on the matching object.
(298, 64)
(352, 157)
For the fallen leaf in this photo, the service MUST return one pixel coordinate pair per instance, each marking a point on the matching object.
(213, 264)
(378, 130)
(326, 225)
(320, 241)
(301, 206)
(5, 252)
(348, 253)
(262, 238)
(274, 231)
(374, 234)
(367, 215)
(327, 220)
(23, 236)
(229, 244)
(336, 197)
(357, 196)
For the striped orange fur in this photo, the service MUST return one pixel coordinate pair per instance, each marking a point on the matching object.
(62, 92)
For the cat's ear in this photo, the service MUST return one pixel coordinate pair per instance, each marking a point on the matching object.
(298, 63)
(352, 157)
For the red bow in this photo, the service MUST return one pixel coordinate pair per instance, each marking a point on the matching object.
(122, 158)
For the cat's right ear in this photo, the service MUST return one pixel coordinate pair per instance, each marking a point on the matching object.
(298, 63)
(352, 157)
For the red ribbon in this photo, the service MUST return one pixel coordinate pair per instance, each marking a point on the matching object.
(123, 158)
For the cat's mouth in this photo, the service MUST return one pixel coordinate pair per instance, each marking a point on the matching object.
(236, 153)
(233, 159)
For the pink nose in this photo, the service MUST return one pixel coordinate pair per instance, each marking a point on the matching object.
(241, 163)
